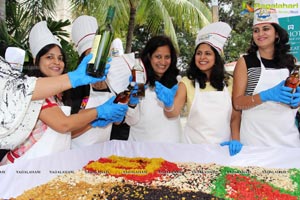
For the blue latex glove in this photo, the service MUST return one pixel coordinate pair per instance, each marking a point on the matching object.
(100, 123)
(165, 94)
(103, 122)
(234, 146)
(278, 93)
(112, 111)
(133, 99)
(296, 98)
(79, 77)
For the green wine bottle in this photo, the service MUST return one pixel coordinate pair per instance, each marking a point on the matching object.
(101, 46)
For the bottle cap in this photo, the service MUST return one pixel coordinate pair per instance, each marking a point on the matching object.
(111, 12)
(136, 54)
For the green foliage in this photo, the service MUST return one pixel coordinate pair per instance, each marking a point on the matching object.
(186, 43)
(177, 18)
(156, 16)
(39, 8)
(239, 41)
(141, 36)
(21, 17)
(241, 25)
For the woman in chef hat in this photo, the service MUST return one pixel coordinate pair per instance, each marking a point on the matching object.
(259, 91)
(52, 130)
(206, 90)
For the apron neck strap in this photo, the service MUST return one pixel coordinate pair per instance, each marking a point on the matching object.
(197, 86)
(259, 58)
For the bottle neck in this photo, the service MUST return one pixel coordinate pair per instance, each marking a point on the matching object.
(136, 61)
(108, 20)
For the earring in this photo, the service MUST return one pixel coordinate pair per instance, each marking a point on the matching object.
(278, 40)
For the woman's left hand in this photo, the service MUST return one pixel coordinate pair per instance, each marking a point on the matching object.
(234, 146)
(165, 94)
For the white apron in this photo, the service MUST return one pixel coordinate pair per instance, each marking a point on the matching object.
(50, 142)
(209, 117)
(97, 134)
(270, 123)
(153, 125)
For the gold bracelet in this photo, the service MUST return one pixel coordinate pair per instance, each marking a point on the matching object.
(169, 110)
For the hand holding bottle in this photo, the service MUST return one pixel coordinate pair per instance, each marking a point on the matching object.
(134, 99)
(278, 93)
(111, 111)
(138, 75)
(165, 94)
(234, 146)
(295, 98)
(100, 123)
(79, 77)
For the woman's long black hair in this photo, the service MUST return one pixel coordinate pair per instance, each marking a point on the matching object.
(218, 75)
(282, 54)
(169, 77)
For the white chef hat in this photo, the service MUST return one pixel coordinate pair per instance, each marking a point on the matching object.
(15, 57)
(39, 37)
(214, 34)
(116, 47)
(83, 32)
(264, 13)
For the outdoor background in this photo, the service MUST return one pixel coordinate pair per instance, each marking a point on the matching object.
(135, 22)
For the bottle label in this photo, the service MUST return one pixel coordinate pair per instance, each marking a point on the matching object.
(95, 47)
(123, 97)
(139, 77)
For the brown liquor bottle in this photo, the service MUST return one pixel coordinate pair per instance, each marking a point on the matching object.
(124, 97)
(293, 80)
(138, 75)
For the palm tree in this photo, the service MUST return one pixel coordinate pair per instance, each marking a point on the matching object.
(22, 15)
(39, 9)
(158, 16)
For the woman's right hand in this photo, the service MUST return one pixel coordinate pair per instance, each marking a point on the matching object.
(278, 93)
(79, 76)
(111, 111)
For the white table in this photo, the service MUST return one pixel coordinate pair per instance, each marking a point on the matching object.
(23, 175)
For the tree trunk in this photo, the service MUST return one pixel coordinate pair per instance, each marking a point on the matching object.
(130, 30)
(2, 10)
